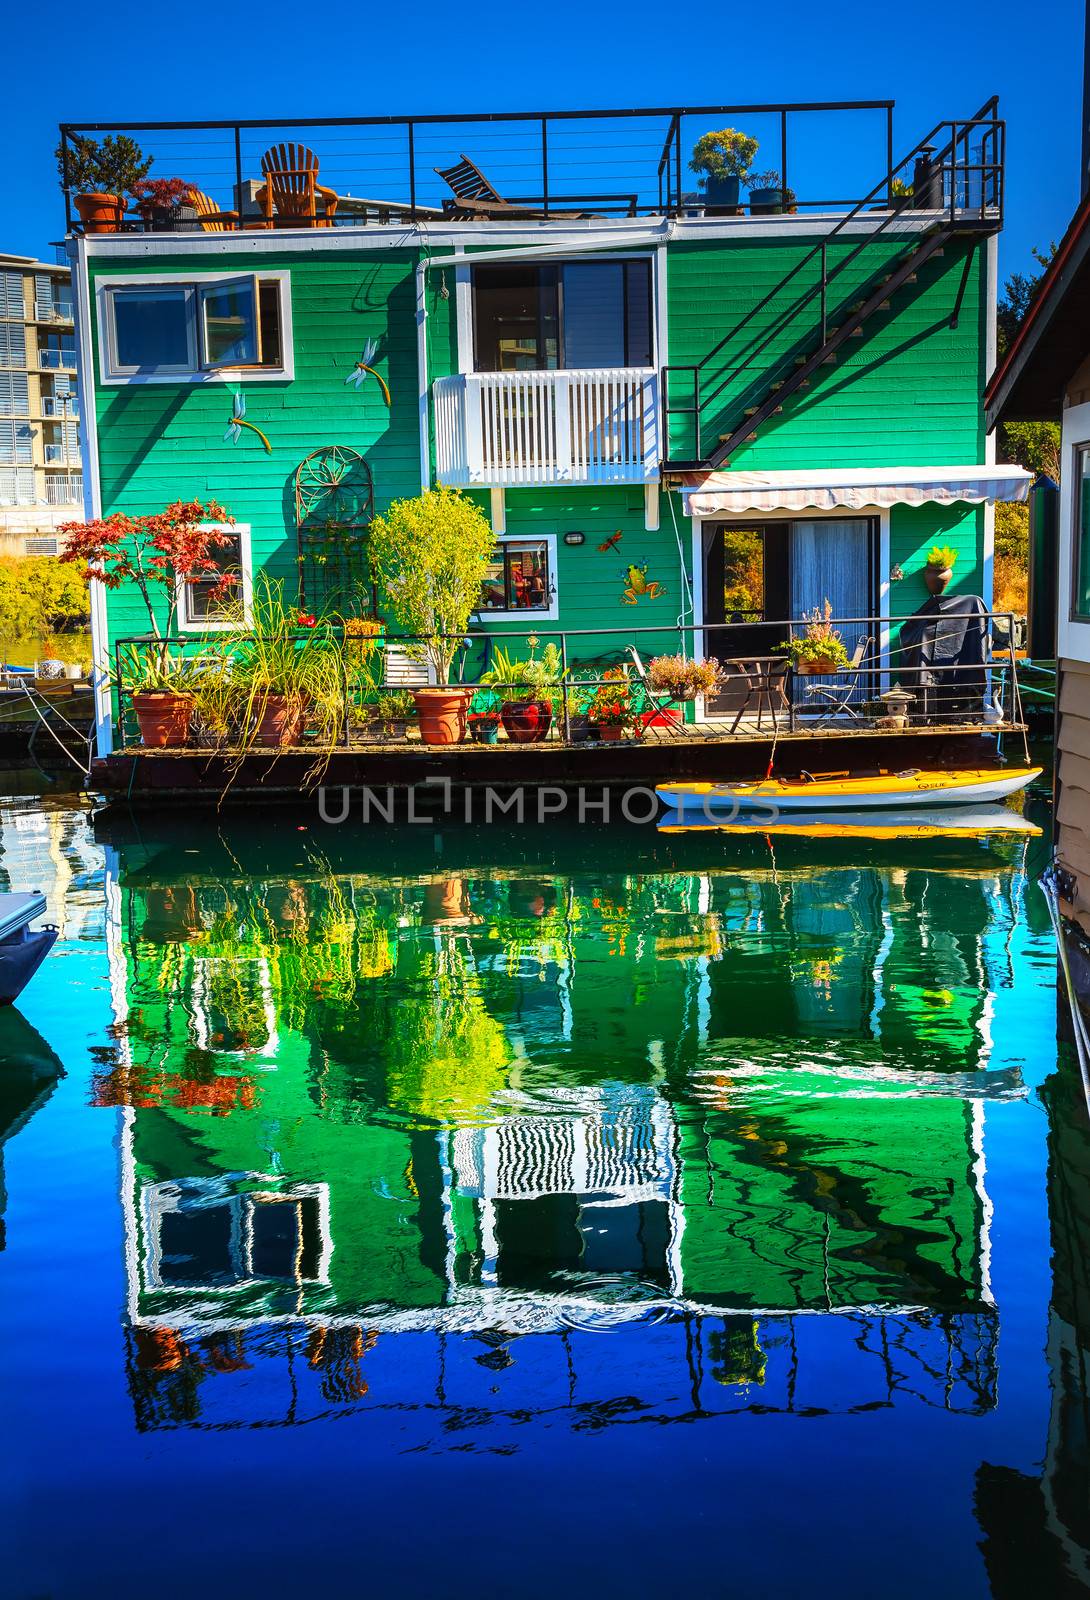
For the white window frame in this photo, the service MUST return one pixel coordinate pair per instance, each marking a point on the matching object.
(551, 612)
(112, 375)
(208, 624)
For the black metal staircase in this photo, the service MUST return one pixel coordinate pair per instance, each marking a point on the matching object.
(831, 292)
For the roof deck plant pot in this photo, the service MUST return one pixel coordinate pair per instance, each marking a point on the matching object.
(939, 568)
(767, 196)
(99, 212)
(159, 200)
(99, 176)
(723, 158)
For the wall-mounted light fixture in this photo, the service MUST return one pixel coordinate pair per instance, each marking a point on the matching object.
(575, 538)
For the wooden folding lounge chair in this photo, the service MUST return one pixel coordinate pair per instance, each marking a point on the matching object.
(291, 192)
(474, 196)
(209, 215)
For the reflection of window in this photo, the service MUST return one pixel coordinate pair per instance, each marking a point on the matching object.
(1080, 540)
(198, 1235)
(519, 578)
(212, 600)
(577, 315)
(183, 329)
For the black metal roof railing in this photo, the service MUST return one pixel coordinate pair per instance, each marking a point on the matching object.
(627, 162)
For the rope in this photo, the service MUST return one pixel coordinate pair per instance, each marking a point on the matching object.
(85, 768)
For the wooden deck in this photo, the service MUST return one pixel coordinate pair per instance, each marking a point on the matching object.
(154, 776)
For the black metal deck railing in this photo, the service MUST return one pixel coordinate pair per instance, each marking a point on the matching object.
(626, 162)
(761, 693)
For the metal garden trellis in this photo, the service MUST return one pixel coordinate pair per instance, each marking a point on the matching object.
(334, 507)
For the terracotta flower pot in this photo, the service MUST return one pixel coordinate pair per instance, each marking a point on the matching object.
(611, 730)
(163, 719)
(937, 578)
(817, 666)
(526, 721)
(279, 721)
(99, 213)
(442, 714)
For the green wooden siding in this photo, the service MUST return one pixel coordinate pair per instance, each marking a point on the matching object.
(907, 392)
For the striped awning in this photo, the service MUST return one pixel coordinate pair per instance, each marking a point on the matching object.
(714, 494)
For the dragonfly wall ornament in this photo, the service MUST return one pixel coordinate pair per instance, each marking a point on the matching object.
(611, 543)
(363, 367)
(238, 422)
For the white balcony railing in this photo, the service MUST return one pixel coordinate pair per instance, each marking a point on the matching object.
(55, 405)
(56, 358)
(65, 491)
(53, 311)
(504, 428)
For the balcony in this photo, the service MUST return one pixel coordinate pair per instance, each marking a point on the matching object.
(54, 360)
(501, 429)
(57, 455)
(65, 491)
(65, 408)
(53, 311)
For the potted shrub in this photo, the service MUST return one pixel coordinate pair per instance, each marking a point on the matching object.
(100, 176)
(610, 707)
(821, 648)
(681, 679)
(159, 201)
(157, 552)
(939, 568)
(430, 556)
(158, 687)
(766, 193)
(527, 710)
(723, 159)
(393, 713)
(484, 726)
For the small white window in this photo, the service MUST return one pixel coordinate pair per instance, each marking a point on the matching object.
(162, 331)
(210, 602)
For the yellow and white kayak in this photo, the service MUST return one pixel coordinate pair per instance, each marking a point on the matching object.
(842, 792)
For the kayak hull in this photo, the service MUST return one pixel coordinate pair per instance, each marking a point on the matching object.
(890, 791)
(918, 822)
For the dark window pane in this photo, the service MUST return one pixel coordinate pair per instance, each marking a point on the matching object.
(151, 328)
(269, 313)
(516, 318)
(1081, 540)
(195, 1246)
(208, 598)
(594, 328)
(638, 351)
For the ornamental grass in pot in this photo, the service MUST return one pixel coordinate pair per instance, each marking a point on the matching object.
(430, 555)
(527, 708)
(158, 686)
(820, 650)
(290, 674)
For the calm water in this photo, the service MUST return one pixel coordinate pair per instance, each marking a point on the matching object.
(526, 1212)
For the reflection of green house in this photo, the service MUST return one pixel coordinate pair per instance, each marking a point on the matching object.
(488, 1104)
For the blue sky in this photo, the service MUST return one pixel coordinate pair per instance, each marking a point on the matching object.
(127, 61)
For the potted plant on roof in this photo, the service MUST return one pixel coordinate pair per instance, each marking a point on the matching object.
(767, 195)
(820, 649)
(159, 201)
(939, 568)
(100, 176)
(158, 553)
(430, 556)
(723, 158)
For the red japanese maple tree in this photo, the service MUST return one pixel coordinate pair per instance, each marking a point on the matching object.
(160, 550)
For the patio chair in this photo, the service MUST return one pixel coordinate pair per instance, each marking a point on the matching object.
(764, 685)
(475, 197)
(835, 699)
(291, 192)
(209, 216)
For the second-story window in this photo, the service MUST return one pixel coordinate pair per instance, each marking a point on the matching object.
(574, 315)
(153, 332)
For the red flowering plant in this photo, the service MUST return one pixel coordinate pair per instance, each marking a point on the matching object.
(161, 550)
(612, 700)
(159, 194)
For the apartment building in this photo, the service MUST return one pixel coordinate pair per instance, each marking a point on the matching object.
(41, 483)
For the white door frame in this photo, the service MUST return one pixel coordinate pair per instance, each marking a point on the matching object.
(839, 515)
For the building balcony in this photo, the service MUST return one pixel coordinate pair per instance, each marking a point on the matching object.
(64, 491)
(57, 455)
(65, 408)
(53, 311)
(502, 429)
(54, 360)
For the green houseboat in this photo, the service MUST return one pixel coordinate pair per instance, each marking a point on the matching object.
(690, 422)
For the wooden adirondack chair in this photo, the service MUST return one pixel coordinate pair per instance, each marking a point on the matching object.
(209, 215)
(474, 196)
(291, 191)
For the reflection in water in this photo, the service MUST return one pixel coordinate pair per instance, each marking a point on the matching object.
(29, 1074)
(418, 1141)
